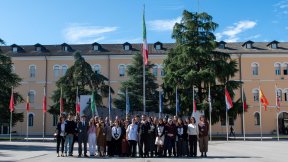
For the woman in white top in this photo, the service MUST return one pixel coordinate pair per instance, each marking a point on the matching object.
(159, 141)
(193, 137)
(92, 137)
(116, 140)
(132, 137)
(60, 135)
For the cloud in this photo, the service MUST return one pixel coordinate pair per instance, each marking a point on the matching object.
(77, 33)
(281, 8)
(282, 4)
(230, 34)
(163, 25)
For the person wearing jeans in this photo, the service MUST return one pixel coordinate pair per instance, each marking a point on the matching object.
(70, 130)
(193, 137)
(131, 135)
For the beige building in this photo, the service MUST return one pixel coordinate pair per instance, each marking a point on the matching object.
(260, 64)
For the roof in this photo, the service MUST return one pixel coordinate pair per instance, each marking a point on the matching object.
(117, 49)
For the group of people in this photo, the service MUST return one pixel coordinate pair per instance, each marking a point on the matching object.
(164, 137)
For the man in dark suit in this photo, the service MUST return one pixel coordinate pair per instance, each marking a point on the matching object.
(82, 128)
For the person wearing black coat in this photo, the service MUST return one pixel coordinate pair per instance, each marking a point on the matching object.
(82, 128)
(60, 131)
(144, 128)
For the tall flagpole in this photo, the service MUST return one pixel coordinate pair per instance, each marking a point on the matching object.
(243, 115)
(145, 49)
(27, 126)
(277, 107)
(176, 113)
(260, 114)
(43, 135)
(210, 111)
(109, 104)
(11, 111)
(160, 103)
(226, 117)
(277, 125)
(193, 97)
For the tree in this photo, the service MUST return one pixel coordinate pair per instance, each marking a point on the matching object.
(134, 85)
(195, 62)
(82, 75)
(8, 80)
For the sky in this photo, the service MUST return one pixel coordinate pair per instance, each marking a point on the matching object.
(27, 22)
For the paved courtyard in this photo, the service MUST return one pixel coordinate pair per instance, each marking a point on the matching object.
(267, 151)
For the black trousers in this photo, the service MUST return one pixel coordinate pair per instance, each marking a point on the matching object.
(82, 140)
(60, 140)
(116, 147)
(132, 147)
(143, 141)
(109, 148)
(193, 145)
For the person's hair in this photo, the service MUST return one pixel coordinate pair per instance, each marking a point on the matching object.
(60, 117)
(192, 118)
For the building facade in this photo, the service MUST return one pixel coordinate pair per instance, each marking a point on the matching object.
(262, 64)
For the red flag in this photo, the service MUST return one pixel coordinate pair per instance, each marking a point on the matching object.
(77, 102)
(228, 100)
(44, 101)
(145, 46)
(27, 104)
(277, 98)
(263, 100)
(11, 105)
(244, 101)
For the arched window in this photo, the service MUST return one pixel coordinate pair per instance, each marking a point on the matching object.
(255, 95)
(279, 94)
(286, 95)
(256, 118)
(97, 68)
(32, 71)
(285, 68)
(162, 73)
(255, 68)
(121, 70)
(30, 120)
(31, 95)
(56, 72)
(155, 71)
(55, 120)
(277, 67)
(64, 69)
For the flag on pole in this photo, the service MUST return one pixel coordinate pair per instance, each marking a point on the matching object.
(61, 103)
(109, 102)
(77, 102)
(145, 46)
(160, 102)
(263, 100)
(27, 103)
(177, 101)
(277, 98)
(127, 102)
(228, 100)
(44, 101)
(209, 99)
(93, 104)
(11, 105)
(244, 101)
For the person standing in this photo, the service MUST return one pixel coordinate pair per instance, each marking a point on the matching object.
(101, 138)
(70, 131)
(181, 138)
(170, 136)
(203, 128)
(108, 133)
(143, 136)
(132, 137)
(82, 128)
(193, 137)
(160, 138)
(60, 135)
(92, 137)
(116, 140)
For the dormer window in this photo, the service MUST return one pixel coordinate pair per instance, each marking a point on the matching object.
(127, 46)
(15, 49)
(273, 44)
(248, 44)
(158, 45)
(222, 45)
(96, 48)
(65, 48)
(38, 49)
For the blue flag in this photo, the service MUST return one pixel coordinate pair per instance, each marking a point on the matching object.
(160, 102)
(127, 103)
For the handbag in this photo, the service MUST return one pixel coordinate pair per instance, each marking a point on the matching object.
(158, 141)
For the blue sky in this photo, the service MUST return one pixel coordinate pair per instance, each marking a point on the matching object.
(27, 22)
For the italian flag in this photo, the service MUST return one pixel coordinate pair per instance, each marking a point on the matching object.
(228, 100)
(145, 46)
(27, 104)
(44, 101)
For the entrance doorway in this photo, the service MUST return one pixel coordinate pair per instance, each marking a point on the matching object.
(283, 123)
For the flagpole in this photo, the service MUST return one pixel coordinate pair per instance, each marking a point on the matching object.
(160, 104)
(193, 98)
(27, 126)
(43, 135)
(109, 104)
(260, 115)
(277, 107)
(226, 117)
(210, 109)
(176, 101)
(144, 70)
(11, 114)
(243, 115)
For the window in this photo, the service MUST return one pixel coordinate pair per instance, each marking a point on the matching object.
(31, 95)
(285, 70)
(32, 71)
(277, 68)
(121, 70)
(249, 45)
(255, 95)
(55, 120)
(162, 72)
(222, 46)
(14, 49)
(274, 45)
(97, 69)
(255, 69)
(30, 120)
(158, 47)
(65, 48)
(279, 94)
(38, 49)
(286, 95)
(126, 47)
(64, 69)
(56, 71)
(96, 48)
(155, 71)
(256, 118)
(13, 69)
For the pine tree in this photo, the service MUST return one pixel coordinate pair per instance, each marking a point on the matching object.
(195, 62)
(134, 85)
(7, 80)
(82, 75)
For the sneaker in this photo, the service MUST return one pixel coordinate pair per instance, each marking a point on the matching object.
(58, 155)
